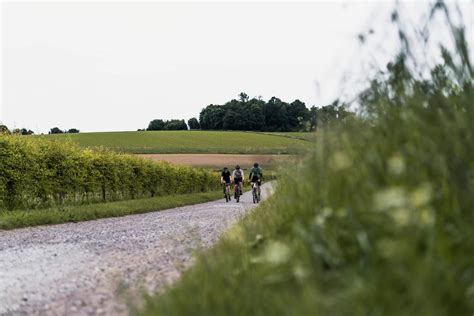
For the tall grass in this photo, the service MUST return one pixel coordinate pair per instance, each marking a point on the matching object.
(35, 173)
(378, 220)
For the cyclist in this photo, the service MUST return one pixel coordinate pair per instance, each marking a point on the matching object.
(256, 176)
(226, 178)
(238, 176)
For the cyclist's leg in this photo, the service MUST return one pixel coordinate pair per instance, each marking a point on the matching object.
(236, 183)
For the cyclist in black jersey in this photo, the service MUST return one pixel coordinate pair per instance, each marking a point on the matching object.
(226, 177)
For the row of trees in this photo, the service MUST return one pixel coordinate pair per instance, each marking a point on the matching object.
(274, 115)
(57, 130)
(255, 114)
(23, 131)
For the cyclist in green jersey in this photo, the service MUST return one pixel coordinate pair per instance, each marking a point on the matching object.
(256, 176)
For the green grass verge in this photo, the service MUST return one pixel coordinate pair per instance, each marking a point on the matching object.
(19, 218)
(188, 142)
(377, 221)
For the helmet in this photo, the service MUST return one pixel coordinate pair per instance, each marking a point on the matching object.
(225, 168)
(237, 167)
(255, 164)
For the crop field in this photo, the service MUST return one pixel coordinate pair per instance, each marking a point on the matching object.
(295, 135)
(217, 161)
(170, 142)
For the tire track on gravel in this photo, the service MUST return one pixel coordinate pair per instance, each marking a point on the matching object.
(84, 268)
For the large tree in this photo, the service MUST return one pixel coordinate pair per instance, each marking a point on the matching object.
(175, 125)
(25, 131)
(193, 123)
(4, 129)
(156, 125)
(276, 117)
(298, 114)
(212, 117)
(55, 130)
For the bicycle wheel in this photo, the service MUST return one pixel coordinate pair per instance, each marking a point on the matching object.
(237, 194)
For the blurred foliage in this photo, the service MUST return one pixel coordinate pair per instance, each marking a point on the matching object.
(377, 220)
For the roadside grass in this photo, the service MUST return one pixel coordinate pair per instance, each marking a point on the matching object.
(378, 220)
(24, 218)
(169, 142)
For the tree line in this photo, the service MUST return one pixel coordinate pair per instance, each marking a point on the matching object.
(255, 114)
(23, 131)
(274, 115)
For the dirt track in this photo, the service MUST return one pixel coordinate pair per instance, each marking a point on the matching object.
(88, 268)
(218, 160)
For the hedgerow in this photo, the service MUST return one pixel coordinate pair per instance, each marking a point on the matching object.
(35, 173)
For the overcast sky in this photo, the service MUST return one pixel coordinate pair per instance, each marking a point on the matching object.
(104, 66)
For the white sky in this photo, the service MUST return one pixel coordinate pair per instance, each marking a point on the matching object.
(102, 66)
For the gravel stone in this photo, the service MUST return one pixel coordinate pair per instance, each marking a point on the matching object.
(98, 267)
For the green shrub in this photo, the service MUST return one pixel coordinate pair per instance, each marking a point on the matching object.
(37, 173)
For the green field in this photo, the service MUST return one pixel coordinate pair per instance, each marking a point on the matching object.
(294, 135)
(161, 142)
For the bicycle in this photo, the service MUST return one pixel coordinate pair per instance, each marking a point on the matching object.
(237, 192)
(256, 192)
(227, 191)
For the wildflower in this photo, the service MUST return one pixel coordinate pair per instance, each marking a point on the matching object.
(320, 219)
(276, 253)
(421, 196)
(396, 164)
(393, 197)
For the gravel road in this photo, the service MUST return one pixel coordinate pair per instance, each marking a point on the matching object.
(98, 267)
